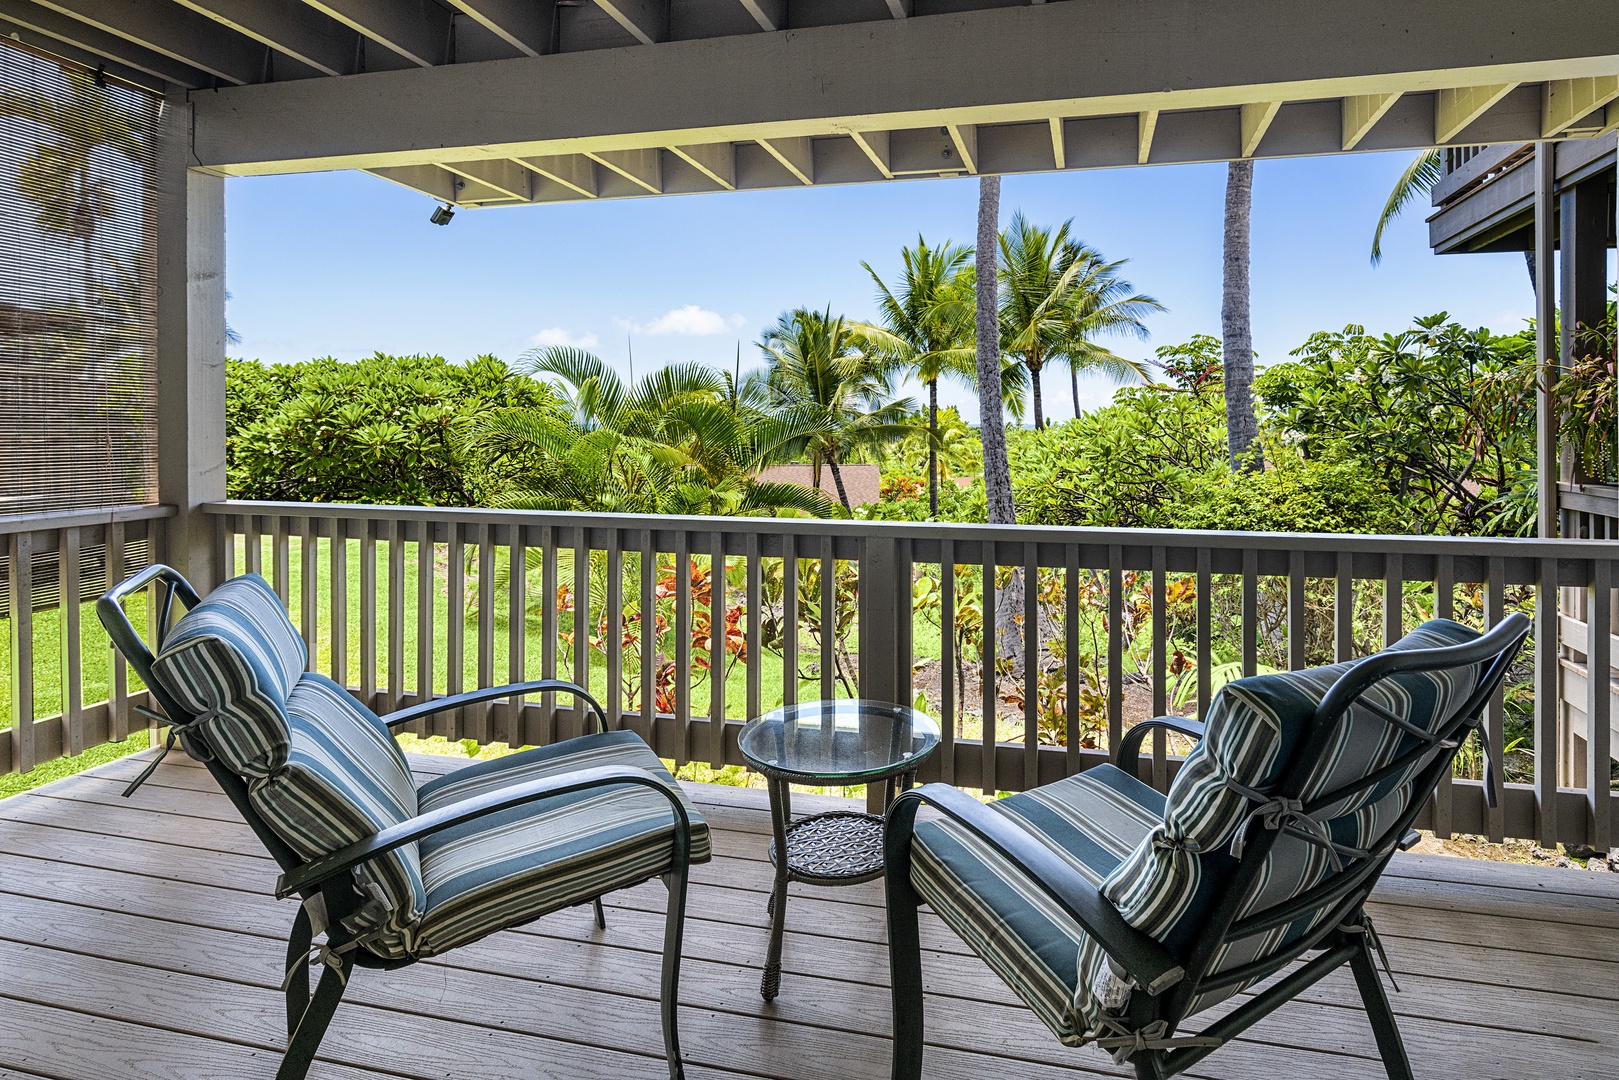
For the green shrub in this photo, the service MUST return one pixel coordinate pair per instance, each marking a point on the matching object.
(383, 430)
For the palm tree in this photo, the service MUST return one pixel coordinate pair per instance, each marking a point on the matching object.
(987, 332)
(929, 320)
(1055, 295)
(1419, 179)
(1236, 329)
(673, 443)
(835, 383)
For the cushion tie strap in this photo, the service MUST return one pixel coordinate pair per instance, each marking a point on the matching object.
(1124, 1042)
(1373, 942)
(175, 731)
(1277, 812)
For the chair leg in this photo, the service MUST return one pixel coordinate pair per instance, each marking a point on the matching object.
(601, 916)
(1379, 1012)
(905, 972)
(317, 1017)
(674, 927)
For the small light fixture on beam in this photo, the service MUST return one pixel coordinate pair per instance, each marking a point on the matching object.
(442, 215)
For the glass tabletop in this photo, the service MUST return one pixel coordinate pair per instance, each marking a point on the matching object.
(830, 741)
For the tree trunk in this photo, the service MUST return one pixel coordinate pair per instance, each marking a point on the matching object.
(837, 480)
(933, 448)
(991, 426)
(1529, 263)
(1039, 408)
(1073, 374)
(1242, 427)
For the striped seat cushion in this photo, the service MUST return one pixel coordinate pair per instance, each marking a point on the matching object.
(231, 662)
(344, 779)
(1168, 885)
(509, 868)
(1092, 821)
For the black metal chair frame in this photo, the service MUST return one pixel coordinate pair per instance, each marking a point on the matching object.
(327, 885)
(1166, 985)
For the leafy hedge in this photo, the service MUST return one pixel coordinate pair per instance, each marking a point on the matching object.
(387, 429)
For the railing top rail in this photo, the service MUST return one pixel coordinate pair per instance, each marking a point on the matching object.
(1464, 546)
(70, 519)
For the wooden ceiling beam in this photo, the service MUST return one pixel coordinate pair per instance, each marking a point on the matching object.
(1454, 109)
(289, 27)
(717, 161)
(1146, 128)
(795, 153)
(965, 139)
(644, 167)
(1568, 101)
(93, 44)
(646, 20)
(418, 32)
(170, 30)
(878, 146)
(769, 14)
(576, 172)
(1256, 120)
(507, 177)
(1361, 114)
(526, 25)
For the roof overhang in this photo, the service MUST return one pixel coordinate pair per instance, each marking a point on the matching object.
(886, 93)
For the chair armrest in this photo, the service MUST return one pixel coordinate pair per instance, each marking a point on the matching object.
(318, 871)
(1144, 958)
(490, 693)
(1129, 758)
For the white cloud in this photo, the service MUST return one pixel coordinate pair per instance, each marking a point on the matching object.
(689, 321)
(556, 335)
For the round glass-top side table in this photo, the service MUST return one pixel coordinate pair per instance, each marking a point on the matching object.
(830, 743)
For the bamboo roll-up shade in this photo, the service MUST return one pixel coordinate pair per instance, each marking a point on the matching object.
(78, 287)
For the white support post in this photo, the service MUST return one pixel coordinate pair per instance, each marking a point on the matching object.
(190, 346)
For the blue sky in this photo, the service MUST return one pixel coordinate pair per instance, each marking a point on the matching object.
(345, 264)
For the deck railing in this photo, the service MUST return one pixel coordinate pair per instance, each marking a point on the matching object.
(400, 603)
(68, 691)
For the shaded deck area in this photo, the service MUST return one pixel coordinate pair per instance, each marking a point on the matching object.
(138, 939)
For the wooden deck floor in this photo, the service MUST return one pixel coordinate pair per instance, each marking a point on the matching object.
(138, 940)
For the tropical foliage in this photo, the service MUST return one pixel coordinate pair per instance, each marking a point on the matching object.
(682, 440)
(387, 429)
(1057, 296)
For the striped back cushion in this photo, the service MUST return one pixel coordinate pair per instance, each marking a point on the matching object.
(231, 662)
(344, 779)
(1169, 885)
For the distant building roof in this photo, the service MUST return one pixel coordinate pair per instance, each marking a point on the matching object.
(862, 482)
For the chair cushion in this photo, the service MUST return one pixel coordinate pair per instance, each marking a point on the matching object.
(1092, 821)
(1163, 862)
(1168, 884)
(509, 868)
(231, 662)
(344, 779)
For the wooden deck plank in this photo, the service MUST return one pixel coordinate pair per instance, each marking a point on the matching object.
(120, 915)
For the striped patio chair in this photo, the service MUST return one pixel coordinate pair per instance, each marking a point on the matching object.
(1117, 913)
(390, 873)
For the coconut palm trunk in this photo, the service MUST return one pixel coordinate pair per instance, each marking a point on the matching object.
(1242, 427)
(1039, 406)
(933, 448)
(991, 426)
(837, 482)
